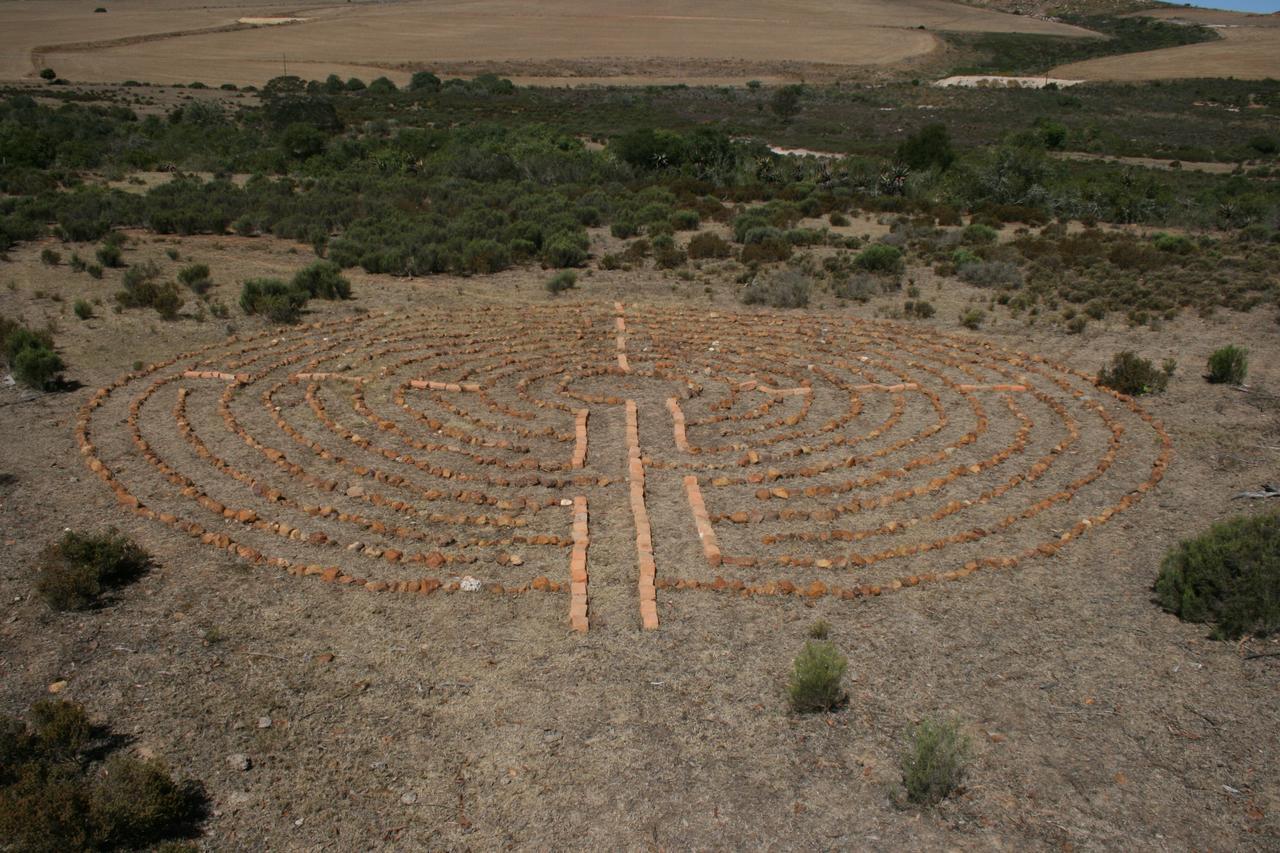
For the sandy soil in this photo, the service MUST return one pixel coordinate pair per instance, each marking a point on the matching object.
(180, 42)
(479, 721)
(1249, 49)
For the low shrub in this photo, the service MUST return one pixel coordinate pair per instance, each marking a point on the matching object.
(918, 308)
(274, 299)
(708, 245)
(978, 234)
(110, 255)
(30, 355)
(998, 274)
(1131, 374)
(324, 279)
(880, 258)
(75, 571)
(862, 287)
(1228, 576)
(815, 679)
(685, 220)
(767, 250)
(934, 763)
(562, 281)
(196, 277)
(1177, 245)
(50, 257)
(83, 309)
(972, 318)
(1229, 364)
(784, 289)
(564, 251)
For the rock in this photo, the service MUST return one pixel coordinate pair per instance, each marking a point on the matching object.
(57, 686)
(239, 761)
(408, 798)
(264, 722)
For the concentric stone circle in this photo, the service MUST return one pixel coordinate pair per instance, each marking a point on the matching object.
(764, 455)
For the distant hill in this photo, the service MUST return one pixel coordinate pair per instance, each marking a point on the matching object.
(1064, 7)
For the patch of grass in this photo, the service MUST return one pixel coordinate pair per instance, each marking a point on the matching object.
(1230, 364)
(1228, 576)
(933, 765)
(815, 680)
(1131, 374)
(74, 572)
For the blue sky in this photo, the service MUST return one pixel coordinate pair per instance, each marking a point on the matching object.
(1244, 5)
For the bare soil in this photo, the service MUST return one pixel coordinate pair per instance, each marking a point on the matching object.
(479, 720)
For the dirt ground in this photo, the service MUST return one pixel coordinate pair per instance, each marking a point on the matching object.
(604, 41)
(477, 721)
(1249, 49)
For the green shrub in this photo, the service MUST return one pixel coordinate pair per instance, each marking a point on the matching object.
(196, 277)
(928, 148)
(708, 245)
(77, 263)
(272, 298)
(685, 220)
(50, 257)
(48, 74)
(564, 251)
(562, 281)
(1229, 364)
(1133, 375)
(137, 803)
(61, 728)
(880, 258)
(1228, 576)
(972, 318)
(30, 355)
(934, 763)
(838, 219)
(109, 255)
(862, 287)
(1177, 245)
(979, 234)
(919, 308)
(424, 81)
(75, 571)
(83, 309)
(94, 270)
(815, 679)
(324, 279)
(784, 289)
(767, 250)
(480, 257)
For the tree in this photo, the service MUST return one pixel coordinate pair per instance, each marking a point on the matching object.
(424, 81)
(382, 86)
(785, 102)
(48, 74)
(928, 147)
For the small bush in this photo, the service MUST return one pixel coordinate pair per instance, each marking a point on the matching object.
(838, 220)
(272, 298)
(933, 765)
(815, 680)
(978, 234)
(880, 258)
(564, 251)
(196, 277)
(75, 571)
(77, 263)
(137, 803)
(109, 255)
(767, 250)
(30, 354)
(83, 309)
(1229, 364)
(998, 274)
(324, 279)
(562, 281)
(862, 287)
(819, 630)
(1176, 245)
(708, 245)
(786, 289)
(61, 729)
(973, 318)
(1133, 375)
(94, 270)
(50, 257)
(919, 308)
(685, 220)
(1228, 576)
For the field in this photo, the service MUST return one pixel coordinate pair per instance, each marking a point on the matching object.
(1249, 49)
(606, 41)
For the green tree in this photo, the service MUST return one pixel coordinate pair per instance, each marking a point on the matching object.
(785, 102)
(928, 148)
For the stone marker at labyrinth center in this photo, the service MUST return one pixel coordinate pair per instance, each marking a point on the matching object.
(403, 455)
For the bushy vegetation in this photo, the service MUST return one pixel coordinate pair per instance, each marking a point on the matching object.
(1228, 576)
(56, 795)
(562, 281)
(782, 289)
(30, 355)
(322, 280)
(934, 762)
(142, 289)
(273, 298)
(76, 570)
(1230, 364)
(816, 678)
(1131, 374)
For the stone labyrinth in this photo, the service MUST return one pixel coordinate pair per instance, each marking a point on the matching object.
(638, 453)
